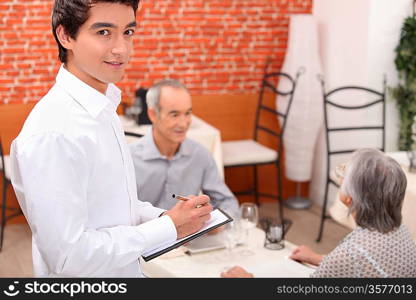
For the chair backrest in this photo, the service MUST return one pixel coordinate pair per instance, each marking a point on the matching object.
(133, 134)
(141, 100)
(269, 83)
(360, 114)
(132, 137)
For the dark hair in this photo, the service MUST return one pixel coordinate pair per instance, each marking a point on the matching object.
(72, 14)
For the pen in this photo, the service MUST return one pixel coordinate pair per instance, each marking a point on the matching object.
(179, 197)
(182, 198)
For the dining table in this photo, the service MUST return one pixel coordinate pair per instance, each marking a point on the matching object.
(261, 262)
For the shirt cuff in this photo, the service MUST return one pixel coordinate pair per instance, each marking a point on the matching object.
(158, 231)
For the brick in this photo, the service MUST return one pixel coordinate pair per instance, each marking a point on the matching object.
(42, 29)
(5, 89)
(13, 50)
(26, 80)
(10, 35)
(15, 42)
(6, 81)
(6, 67)
(42, 22)
(33, 35)
(16, 14)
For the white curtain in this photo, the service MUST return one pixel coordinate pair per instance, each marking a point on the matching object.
(306, 113)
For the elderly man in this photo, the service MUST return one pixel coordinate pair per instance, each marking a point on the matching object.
(166, 162)
(373, 188)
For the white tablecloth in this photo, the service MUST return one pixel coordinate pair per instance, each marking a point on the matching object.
(339, 212)
(199, 131)
(263, 263)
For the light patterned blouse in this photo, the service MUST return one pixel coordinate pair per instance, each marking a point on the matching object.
(366, 253)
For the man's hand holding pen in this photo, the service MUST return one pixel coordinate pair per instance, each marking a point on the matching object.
(190, 214)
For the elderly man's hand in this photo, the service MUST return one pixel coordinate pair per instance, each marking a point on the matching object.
(236, 272)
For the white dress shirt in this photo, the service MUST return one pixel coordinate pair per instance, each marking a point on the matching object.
(74, 179)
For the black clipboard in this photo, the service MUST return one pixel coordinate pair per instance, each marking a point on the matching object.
(191, 237)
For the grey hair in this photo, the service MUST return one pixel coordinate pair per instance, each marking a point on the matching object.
(377, 184)
(153, 94)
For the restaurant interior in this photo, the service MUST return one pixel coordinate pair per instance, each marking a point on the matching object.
(283, 91)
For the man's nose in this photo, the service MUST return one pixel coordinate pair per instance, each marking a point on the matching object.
(120, 46)
(184, 121)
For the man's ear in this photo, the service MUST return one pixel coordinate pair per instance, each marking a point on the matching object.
(63, 37)
(151, 112)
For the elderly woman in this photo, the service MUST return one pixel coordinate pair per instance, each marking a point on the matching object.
(373, 189)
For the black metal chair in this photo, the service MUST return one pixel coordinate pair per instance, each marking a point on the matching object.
(132, 137)
(339, 154)
(6, 181)
(240, 153)
(143, 118)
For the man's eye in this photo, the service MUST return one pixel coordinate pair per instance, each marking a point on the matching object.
(129, 32)
(103, 32)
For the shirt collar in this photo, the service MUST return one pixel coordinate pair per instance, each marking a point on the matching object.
(89, 98)
(150, 150)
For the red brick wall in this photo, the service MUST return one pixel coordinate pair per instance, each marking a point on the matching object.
(213, 46)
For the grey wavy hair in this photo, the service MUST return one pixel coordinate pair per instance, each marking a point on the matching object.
(153, 94)
(377, 184)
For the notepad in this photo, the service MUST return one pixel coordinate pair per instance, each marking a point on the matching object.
(209, 243)
(218, 218)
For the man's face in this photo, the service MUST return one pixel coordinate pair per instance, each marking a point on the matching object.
(174, 117)
(102, 47)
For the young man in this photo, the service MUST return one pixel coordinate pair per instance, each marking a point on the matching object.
(167, 162)
(72, 171)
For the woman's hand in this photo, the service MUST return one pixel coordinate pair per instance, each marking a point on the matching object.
(306, 255)
(236, 272)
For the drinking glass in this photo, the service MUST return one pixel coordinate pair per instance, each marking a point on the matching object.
(249, 218)
(274, 235)
(232, 235)
(340, 172)
(411, 155)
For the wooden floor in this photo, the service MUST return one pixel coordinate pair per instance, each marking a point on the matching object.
(16, 259)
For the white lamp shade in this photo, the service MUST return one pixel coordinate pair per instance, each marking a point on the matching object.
(306, 113)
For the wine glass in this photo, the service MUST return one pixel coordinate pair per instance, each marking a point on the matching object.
(249, 218)
(340, 172)
(232, 233)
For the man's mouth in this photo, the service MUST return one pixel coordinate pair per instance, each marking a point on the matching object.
(179, 131)
(114, 63)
